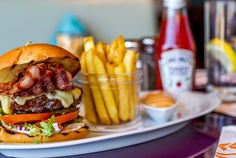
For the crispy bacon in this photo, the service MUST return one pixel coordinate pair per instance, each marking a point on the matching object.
(63, 79)
(32, 75)
(38, 79)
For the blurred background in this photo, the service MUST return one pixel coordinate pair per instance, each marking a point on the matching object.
(39, 21)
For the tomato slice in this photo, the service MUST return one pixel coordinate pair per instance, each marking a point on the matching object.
(67, 117)
(23, 118)
(63, 118)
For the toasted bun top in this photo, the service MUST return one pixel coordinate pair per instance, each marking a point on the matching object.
(36, 53)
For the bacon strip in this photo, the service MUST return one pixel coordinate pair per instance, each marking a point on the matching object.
(38, 79)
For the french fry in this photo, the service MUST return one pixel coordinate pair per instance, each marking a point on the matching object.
(106, 89)
(88, 43)
(130, 61)
(124, 111)
(136, 98)
(117, 51)
(97, 95)
(130, 66)
(121, 44)
(90, 112)
(136, 60)
(83, 63)
(100, 51)
(111, 73)
(111, 50)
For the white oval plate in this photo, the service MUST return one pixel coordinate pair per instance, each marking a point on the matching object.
(192, 105)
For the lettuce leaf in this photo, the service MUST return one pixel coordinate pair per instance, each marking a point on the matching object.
(47, 127)
(33, 129)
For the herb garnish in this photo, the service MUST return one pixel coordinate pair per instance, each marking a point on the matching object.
(48, 128)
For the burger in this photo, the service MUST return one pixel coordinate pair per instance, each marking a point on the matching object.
(39, 102)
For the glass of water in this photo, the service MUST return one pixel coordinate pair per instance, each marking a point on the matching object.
(220, 48)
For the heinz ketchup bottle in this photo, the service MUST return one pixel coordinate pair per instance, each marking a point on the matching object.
(175, 49)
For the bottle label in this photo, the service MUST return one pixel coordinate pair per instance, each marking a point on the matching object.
(174, 4)
(176, 68)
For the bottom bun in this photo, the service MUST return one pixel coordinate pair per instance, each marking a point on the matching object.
(12, 137)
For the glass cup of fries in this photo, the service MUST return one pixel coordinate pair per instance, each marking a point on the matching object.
(111, 101)
(110, 84)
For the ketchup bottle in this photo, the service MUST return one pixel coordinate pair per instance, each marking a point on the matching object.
(175, 49)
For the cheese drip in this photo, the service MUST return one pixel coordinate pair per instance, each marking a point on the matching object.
(67, 98)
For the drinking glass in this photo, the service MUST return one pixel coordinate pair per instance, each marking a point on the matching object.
(220, 47)
(101, 92)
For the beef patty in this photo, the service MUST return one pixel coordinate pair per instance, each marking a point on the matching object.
(39, 104)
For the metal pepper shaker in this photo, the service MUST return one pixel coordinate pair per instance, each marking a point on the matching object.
(148, 64)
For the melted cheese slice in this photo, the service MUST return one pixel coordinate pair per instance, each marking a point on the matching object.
(22, 100)
(67, 98)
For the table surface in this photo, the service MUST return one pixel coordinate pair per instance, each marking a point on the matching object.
(197, 138)
(187, 142)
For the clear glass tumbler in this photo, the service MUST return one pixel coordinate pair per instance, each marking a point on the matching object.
(111, 102)
(220, 47)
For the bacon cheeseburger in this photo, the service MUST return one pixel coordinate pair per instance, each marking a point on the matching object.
(38, 100)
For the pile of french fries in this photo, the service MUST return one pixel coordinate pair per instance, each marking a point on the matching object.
(111, 95)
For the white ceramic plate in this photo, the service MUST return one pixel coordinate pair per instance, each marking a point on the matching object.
(192, 105)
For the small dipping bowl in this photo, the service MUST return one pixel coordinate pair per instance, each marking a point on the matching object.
(160, 106)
